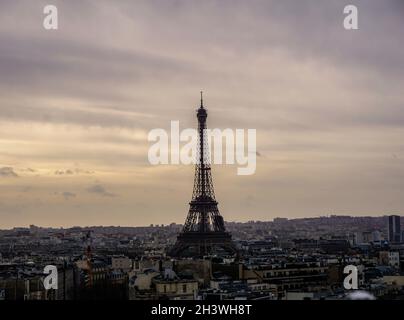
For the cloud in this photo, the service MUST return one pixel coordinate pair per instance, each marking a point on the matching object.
(326, 103)
(72, 172)
(68, 195)
(121, 76)
(62, 172)
(26, 189)
(8, 172)
(100, 190)
(78, 171)
(30, 170)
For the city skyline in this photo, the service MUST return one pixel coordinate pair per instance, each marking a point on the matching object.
(76, 105)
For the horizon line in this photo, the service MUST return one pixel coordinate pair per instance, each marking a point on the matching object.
(152, 225)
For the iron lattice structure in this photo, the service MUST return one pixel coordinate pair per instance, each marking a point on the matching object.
(204, 229)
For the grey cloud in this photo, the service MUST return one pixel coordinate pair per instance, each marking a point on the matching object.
(72, 172)
(139, 64)
(63, 115)
(63, 172)
(26, 189)
(34, 64)
(29, 170)
(100, 190)
(77, 170)
(68, 195)
(7, 172)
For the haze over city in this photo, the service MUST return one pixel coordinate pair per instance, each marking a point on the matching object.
(77, 103)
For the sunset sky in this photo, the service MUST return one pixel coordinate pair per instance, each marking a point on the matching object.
(77, 103)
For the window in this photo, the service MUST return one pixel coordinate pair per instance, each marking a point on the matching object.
(184, 288)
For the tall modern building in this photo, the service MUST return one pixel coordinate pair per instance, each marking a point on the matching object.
(394, 229)
(204, 231)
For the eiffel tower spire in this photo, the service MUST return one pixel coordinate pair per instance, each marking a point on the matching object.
(204, 229)
(202, 99)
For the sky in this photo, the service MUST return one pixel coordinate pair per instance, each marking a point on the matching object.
(77, 104)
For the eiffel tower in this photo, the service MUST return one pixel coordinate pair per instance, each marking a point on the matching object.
(204, 232)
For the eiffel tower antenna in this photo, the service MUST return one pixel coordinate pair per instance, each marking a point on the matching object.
(201, 99)
(204, 231)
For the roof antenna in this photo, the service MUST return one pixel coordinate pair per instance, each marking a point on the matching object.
(202, 99)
